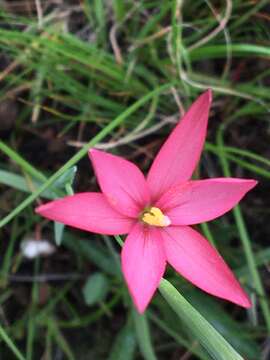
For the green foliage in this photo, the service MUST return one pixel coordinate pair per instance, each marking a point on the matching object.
(95, 288)
(124, 345)
(215, 344)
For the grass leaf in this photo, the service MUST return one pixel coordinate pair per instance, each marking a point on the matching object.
(206, 334)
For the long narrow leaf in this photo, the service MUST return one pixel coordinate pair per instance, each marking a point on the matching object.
(143, 336)
(4, 336)
(206, 334)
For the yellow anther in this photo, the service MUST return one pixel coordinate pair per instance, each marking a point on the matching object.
(155, 217)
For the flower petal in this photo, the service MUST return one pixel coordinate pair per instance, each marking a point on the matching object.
(143, 263)
(194, 258)
(179, 155)
(121, 182)
(202, 200)
(87, 211)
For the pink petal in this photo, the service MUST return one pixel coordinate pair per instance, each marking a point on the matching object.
(121, 182)
(194, 258)
(87, 211)
(143, 263)
(197, 201)
(178, 157)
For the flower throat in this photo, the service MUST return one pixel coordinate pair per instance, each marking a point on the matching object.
(154, 216)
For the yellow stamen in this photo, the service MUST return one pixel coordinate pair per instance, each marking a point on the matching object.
(155, 217)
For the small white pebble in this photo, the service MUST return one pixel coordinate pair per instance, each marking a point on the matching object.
(31, 248)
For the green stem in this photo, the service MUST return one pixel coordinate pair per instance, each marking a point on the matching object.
(208, 234)
(119, 240)
(143, 336)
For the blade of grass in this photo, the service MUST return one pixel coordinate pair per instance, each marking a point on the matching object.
(254, 9)
(143, 336)
(20, 183)
(25, 165)
(228, 154)
(245, 239)
(124, 344)
(207, 232)
(210, 339)
(178, 338)
(59, 338)
(238, 50)
(242, 152)
(7, 257)
(11, 344)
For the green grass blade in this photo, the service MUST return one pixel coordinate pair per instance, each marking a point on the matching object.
(206, 334)
(13, 155)
(143, 336)
(238, 50)
(20, 183)
(124, 345)
(11, 344)
(178, 338)
(245, 239)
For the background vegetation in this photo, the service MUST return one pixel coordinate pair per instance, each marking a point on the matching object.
(117, 74)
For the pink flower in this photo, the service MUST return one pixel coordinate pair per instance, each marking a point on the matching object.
(156, 212)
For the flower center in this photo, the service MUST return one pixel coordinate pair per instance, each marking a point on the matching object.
(154, 216)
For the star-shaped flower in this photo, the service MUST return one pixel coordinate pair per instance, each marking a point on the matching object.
(157, 212)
